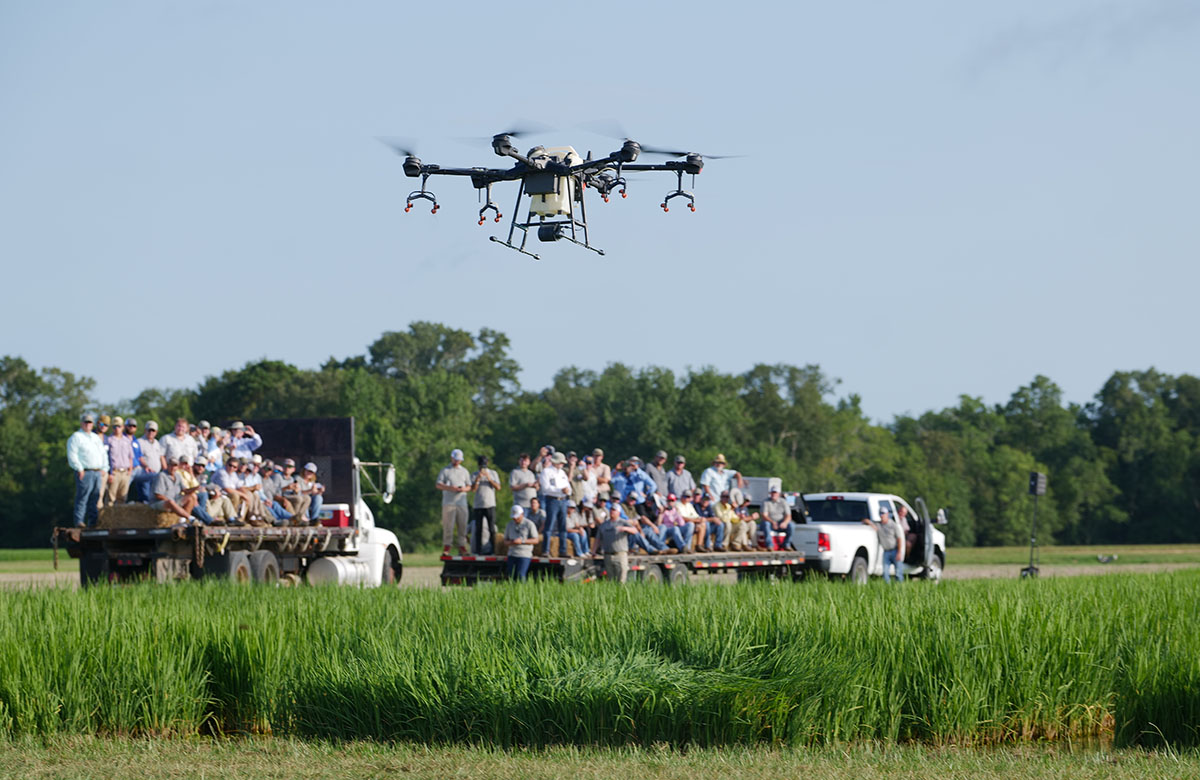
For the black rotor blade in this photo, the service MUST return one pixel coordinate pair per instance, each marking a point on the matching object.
(517, 129)
(677, 153)
(400, 146)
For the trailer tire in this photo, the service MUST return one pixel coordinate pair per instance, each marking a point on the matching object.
(264, 567)
(678, 576)
(653, 573)
(858, 571)
(393, 569)
(93, 568)
(233, 565)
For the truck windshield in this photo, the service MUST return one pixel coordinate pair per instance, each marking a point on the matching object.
(823, 510)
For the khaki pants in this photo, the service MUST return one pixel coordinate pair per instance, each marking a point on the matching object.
(117, 489)
(454, 525)
(740, 535)
(221, 508)
(297, 506)
(617, 566)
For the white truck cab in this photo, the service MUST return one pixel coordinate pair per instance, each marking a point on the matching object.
(835, 540)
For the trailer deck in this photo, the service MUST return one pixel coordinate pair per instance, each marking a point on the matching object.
(674, 569)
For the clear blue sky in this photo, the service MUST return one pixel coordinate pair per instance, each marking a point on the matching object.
(937, 198)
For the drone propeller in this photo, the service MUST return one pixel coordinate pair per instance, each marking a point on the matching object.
(400, 146)
(518, 129)
(677, 153)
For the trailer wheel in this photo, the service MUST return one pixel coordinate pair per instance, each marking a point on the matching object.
(858, 571)
(264, 567)
(653, 573)
(678, 575)
(93, 568)
(392, 568)
(233, 565)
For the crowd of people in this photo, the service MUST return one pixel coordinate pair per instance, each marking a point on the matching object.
(200, 473)
(607, 510)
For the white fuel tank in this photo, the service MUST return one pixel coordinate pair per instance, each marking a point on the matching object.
(339, 570)
(558, 201)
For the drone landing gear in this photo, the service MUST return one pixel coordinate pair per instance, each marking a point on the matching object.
(679, 192)
(421, 194)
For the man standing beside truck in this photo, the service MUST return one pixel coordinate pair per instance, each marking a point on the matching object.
(889, 539)
(88, 458)
(454, 481)
(521, 536)
(614, 543)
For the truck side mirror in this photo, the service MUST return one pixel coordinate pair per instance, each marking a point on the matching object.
(389, 484)
(941, 517)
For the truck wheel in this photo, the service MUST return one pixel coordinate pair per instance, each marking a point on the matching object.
(93, 568)
(392, 568)
(652, 573)
(858, 571)
(934, 570)
(264, 567)
(678, 575)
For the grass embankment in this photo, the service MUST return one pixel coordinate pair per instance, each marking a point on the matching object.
(252, 758)
(980, 662)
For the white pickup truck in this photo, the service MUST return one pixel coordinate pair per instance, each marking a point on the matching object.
(835, 540)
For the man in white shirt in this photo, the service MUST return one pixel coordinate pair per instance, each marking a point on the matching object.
(88, 458)
(180, 444)
(556, 487)
(151, 462)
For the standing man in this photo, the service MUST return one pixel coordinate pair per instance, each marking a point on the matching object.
(245, 441)
(556, 487)
(603, 474)
(120, 461)
(454, 481)
(715, 479)
(523, 483)
(658, 473)
(614, 543)
(179, 443)
(521, 537)
(679, 479)
(88, 458)
(889, 539)
(149, 464)
(485, 482)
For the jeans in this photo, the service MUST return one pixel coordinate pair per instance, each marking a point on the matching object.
(678, 537)
(200, 511)
(517, 568)
(716, 534)
(87, 495)
(579, 538)
(139, 486)
(647, 540)
(789, 539)
(314, 508)
(280, 514)
(556, 522)
(890, 559)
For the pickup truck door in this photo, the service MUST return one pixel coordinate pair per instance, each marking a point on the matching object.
(882, 503)
(928, 535)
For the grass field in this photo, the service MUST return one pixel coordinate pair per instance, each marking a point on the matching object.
(987, 662)
(135, 759)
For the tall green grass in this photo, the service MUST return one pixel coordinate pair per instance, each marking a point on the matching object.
(977, 662)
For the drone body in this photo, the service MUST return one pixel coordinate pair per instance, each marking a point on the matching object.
(555, 180)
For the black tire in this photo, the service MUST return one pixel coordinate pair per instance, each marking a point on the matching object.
(264, 567)
(859, 573)
(393, 569)
(934, 573)
(652, 573)
(93, 568)
(678, 576)
(233, 566)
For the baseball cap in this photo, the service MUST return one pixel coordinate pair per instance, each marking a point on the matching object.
(456, 454)
(131, 421)
(152, 426)
(105, 419)
(289, 462)
(172, 459)
(680, 459)
(257, 458)
(118, 422)
(775, 489)
(201, 461)
(517, 510)
(571, 504)
(598, 452)
(671, 497)
(89, 417)
(558, 457)
(185, 460)
(660, 454)
(203, 424)
(310, 467)
(588, 502)
(883, 510)
(631, 498)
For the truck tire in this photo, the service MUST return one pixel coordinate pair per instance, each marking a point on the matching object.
(677, 576)
(233, 566)
(934, 571)
(653, 573)
(392, 568)
(858, 571)
(93, 568)
(264, 567)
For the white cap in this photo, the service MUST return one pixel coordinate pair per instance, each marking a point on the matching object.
(257, 458)
(456, 454)
(517, 510)
(310, 467)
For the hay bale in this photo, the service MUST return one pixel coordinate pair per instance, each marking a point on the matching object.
(135, 516)
(500, 544)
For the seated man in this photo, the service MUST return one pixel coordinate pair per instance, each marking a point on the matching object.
(745, 527)
(687, 510)
(715, 542)
(649, 538)
(314, 490)
(677, 531)
(230, 482)
(576, 531)
(191, 485)
(777, 518)
(218, 506)
(167, 495)
(726, 515)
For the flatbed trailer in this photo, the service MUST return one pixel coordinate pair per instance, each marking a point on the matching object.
(673, 569)
(240, 553)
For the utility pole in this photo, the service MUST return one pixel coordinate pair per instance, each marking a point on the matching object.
(1037, 487)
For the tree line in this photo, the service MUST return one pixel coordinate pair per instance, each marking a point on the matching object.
(1123, 468)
